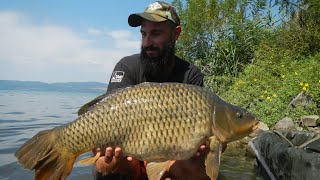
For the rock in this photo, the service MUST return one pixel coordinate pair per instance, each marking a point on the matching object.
(279, 160)
(250, 152)
(314, 130)
(300, 99)
(263, 126)
(317, 130)
(309, 121)
(285, 124)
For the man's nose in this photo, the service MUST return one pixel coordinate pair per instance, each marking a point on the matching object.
(147, 41)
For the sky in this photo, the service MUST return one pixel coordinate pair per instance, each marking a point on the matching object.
(66, 41)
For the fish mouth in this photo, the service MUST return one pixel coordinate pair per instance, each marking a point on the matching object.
(256, 125)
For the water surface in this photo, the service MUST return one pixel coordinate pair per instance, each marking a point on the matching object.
(23, 114)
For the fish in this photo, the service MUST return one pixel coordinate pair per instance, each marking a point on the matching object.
(152, 122)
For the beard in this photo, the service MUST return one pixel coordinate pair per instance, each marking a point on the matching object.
(157, 69)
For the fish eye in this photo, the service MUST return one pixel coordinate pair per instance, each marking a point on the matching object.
(239, 115)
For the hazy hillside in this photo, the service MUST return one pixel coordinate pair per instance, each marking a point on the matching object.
(61, 87)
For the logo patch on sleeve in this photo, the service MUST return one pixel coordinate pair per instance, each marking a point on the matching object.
(117, 76)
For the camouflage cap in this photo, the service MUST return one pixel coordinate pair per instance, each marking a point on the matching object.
(157, 11)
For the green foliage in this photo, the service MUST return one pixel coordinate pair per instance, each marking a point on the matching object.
(253, 54)
(305, 41)
(300, 30)
(219, 36)
(268, 86)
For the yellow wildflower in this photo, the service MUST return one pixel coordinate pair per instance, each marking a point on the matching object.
(306, 84)
(301, 84)
(254, 79)
(274, 95)
(283, 76)
(304, 88)
(282, 66)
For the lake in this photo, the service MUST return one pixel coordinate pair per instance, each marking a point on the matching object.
(24, 113)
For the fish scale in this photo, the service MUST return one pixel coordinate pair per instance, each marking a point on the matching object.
(177, 113)
(154, 122)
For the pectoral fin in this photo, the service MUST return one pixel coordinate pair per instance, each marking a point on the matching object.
(90, 160)
(156, 170)
(212, 161)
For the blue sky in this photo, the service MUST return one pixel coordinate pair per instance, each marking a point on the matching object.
(66, 40)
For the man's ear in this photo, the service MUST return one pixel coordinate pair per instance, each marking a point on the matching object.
(177, 32)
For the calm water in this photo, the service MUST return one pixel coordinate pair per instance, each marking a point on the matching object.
(24, 113)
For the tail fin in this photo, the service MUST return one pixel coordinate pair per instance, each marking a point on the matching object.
(43, 154)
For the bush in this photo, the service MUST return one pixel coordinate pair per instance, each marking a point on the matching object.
(267, 86)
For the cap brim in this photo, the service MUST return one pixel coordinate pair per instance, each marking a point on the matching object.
(135, 20)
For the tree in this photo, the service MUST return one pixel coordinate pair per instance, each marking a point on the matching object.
(219, 36)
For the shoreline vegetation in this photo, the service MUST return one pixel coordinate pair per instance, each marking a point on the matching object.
(260, 55)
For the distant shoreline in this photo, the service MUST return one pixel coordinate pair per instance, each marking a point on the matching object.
(85, 87)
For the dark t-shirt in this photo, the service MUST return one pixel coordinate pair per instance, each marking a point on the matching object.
(129, 71)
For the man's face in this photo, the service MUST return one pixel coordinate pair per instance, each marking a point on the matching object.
(157, 47)
(155, 36)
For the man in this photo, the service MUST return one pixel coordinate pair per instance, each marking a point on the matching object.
(160, 28)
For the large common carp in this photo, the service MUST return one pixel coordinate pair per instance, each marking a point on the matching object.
(154, 122)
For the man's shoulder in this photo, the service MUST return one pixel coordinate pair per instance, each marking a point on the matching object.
(183, 64)
(191, 73)
(132, 59)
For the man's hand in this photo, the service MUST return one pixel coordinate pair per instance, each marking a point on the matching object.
(114, 162)
(203, 150)
(108, 164)
(192, 168)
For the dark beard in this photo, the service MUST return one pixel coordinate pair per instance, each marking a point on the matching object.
(157, 69)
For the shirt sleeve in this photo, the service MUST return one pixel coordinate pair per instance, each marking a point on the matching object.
(195, 77)
(121, 77)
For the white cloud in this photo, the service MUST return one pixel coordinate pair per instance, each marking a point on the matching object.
(123, 39)
(21, 41)
(40, 46)
(120, 34)
(94, 31)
